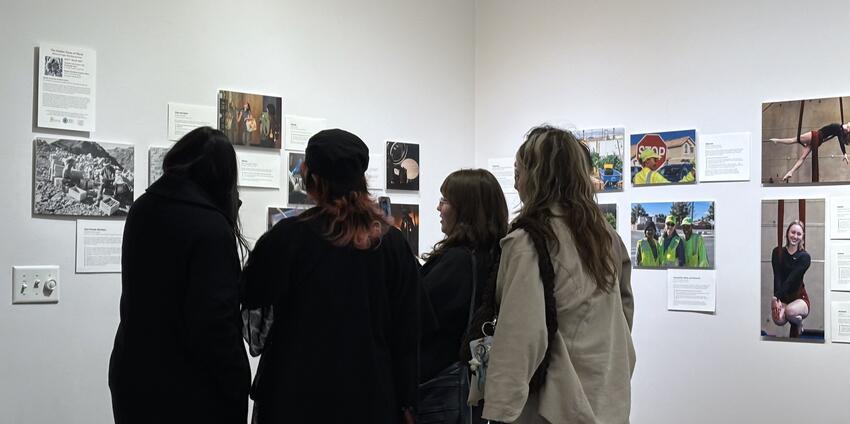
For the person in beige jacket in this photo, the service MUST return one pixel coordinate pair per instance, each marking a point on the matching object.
(583, 360)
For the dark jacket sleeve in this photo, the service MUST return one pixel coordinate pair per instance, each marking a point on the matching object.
(794, 279)
(264, 275)
(777, 271)
(448, 286)
(213, 331)
(404, 335)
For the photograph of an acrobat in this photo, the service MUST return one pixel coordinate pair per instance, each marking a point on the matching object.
(797, 145)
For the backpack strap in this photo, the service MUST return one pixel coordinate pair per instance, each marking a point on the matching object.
(547, 276)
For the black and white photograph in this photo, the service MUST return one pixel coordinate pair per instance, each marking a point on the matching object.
(296, 191)
(406, 219)
(53, 66)
(402, 166)
(82, 178)
(155, 157)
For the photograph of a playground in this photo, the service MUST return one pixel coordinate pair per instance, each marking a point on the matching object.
(792, 269)
(607, 146)
(805, 141)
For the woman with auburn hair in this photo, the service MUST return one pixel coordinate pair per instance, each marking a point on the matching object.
(331, 301)
(562, 349)
(473, 217)
(790, 303)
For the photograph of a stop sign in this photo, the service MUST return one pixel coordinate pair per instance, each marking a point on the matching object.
(656, 143)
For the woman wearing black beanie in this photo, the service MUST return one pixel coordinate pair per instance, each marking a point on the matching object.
(331, 301)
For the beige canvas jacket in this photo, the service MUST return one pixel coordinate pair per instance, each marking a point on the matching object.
(589, 376)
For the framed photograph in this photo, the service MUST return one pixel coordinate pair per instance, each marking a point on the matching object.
(805, 141)
(664, 158)
(250, 119)
(402, 166)
(155, 157)
(82, 178)
(296, 190)
(607, 148)
(406, 219)
(792, 269)
(673, 235)
(609, 210)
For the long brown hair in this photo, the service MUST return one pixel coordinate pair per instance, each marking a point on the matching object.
(479, 208)
(555, 166)
(350, 219)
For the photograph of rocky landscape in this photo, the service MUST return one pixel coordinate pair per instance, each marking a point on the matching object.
(82, 178)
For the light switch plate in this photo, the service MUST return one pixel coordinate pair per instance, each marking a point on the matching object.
(35, 284)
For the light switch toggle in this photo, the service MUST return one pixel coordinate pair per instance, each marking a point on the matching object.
(23, 287)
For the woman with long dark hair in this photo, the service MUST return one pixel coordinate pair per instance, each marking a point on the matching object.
(179, 355)
(332, 301)
(562, 349)
(473, 217)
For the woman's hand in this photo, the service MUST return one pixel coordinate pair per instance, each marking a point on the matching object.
(787, 176)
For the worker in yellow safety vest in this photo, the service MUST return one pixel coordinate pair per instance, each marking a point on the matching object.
(647, 251)
(695, 255)
(672, 248)
(648, 175)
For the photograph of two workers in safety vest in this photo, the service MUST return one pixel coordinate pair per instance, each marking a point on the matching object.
(664, 158)
(606, 146)
(673, 235)
(805, 142)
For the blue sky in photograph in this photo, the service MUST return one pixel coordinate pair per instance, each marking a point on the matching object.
(700, 208)
(666, 136)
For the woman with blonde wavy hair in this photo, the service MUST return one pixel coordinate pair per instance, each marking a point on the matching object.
(562, 349)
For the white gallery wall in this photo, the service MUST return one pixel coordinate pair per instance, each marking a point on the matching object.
(668, 65)
(465, 80)
(383, 69)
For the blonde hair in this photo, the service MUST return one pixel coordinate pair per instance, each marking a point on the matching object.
(556, 165)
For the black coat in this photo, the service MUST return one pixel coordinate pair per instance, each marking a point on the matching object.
(447, 281)
(179, 355)
(343, 344)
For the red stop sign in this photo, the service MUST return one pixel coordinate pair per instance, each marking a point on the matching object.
(656, 143)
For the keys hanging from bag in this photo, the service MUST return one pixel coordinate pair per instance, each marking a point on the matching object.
(480, 352)
(442, 399)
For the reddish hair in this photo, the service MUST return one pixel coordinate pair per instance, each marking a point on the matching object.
(353, 219)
